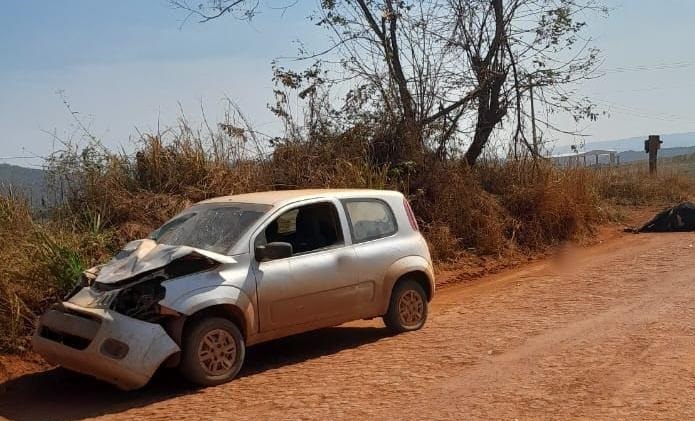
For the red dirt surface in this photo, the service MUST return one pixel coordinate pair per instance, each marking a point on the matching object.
(12, 366)
(606, 332)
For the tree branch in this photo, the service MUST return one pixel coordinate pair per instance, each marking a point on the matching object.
(446, 110)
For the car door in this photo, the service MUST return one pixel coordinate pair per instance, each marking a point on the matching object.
(319, 282)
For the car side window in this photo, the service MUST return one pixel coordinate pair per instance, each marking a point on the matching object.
(307, 228)
(369, 219)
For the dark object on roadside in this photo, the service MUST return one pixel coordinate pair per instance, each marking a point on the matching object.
(679, 218)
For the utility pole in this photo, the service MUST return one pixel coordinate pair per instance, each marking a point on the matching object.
(533, 118)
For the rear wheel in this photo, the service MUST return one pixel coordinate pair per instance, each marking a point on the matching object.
(213, 351)
(407, 308)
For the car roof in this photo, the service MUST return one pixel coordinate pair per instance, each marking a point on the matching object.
(281, 197)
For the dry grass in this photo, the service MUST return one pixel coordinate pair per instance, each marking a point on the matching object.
(458, 213)
(633, 185)
(547, 205)
(507, 206)
(40, 262)
(497, 209)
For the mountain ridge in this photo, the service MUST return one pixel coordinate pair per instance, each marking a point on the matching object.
(636, 143)
(25, 182)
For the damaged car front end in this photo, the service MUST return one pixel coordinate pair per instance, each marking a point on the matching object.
(117, 331)
(113, 325)
(103, 343)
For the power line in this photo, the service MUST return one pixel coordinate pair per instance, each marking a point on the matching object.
(654, 88)
(636, 112)
(650, 67)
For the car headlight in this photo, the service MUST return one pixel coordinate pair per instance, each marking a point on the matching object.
(140, 301)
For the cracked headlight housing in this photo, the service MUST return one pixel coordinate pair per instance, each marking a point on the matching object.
(141, 301)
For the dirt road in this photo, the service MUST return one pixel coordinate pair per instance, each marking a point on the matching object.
(608, 333)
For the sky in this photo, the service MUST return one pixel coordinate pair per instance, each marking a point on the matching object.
(129, 65)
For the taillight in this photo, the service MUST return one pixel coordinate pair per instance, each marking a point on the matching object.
(411, 215)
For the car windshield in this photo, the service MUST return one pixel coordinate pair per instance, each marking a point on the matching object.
(214, 227)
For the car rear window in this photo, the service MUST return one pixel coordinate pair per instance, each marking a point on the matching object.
(369, 219)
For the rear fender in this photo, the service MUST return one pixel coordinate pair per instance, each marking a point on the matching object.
(401, 267)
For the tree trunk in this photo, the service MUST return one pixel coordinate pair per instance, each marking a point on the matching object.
(490, 112)
(483, 130)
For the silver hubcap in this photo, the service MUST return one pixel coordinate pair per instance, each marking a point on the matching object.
(217, 352)
(411, 308)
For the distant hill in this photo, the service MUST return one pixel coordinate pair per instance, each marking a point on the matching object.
(675, 140)
(22, 181)
(640, 155)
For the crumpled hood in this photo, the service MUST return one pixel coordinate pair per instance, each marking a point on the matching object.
(142, 256)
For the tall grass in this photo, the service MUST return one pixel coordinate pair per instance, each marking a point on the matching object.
(496, 208)
(633, 185)
(41, 261)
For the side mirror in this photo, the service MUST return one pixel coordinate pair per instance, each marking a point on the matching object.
(273, 251)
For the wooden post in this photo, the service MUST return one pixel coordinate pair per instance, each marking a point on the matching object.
(653, 144)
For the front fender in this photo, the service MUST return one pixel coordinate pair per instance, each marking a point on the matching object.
(201, 298)
(401, 267)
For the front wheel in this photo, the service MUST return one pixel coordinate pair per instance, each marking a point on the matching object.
(213, 351)
(407, 308)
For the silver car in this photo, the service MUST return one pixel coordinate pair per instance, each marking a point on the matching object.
(235, 271)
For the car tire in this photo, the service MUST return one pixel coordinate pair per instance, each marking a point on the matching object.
(213, 351)
(407, 307)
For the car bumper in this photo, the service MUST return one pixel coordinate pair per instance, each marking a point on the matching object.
(102, 343)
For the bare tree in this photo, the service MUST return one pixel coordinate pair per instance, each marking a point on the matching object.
(446, 74)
